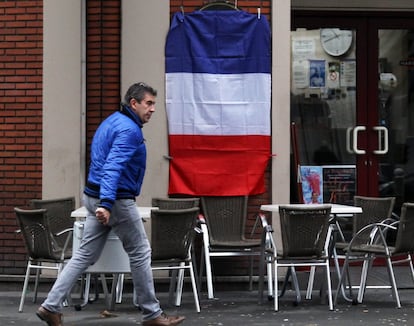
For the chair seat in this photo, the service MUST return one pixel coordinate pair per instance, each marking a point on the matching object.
(341, 245)
(301, 258)
(240, 245)
(55, 256)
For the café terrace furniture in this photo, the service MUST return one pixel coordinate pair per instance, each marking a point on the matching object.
(113, 260)
(337, 210)
(374, 210)
(177, 203)
(42, 248)
(371, 242)
(168, 203)
(172, 234)
(223, 227)
(305, 234)
(59, 214)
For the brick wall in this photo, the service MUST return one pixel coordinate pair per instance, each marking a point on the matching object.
(21, 47)
(103, 63)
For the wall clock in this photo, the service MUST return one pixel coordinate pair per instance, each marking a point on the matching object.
(335, 41)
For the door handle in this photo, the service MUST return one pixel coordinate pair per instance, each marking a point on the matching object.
(384, 145)
(357, 129)
(348, 140)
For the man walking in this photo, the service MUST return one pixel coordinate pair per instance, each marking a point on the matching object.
(118, 160)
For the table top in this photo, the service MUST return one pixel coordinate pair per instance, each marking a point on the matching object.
(81, 212)
(335, 208)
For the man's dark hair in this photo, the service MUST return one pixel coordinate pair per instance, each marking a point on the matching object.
(138, 91)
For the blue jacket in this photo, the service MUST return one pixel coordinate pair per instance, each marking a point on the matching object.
(118, 159)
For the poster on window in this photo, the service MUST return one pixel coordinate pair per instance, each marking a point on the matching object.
(339, 184)
(316, 73)
(311, 177)
(328, 184)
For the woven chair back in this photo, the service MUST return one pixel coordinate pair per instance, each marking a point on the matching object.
(172, 232)
(304, 230)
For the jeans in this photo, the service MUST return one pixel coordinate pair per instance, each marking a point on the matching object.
(128, 226)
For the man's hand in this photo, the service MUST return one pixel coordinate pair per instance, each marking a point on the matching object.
(102, 215)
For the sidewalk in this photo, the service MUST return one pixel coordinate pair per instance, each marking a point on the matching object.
(232, 307)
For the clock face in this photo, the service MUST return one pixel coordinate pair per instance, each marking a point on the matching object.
(336, 41)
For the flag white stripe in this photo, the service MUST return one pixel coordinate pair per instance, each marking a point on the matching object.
(218, 104)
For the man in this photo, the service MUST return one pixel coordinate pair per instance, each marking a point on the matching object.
(118, 160)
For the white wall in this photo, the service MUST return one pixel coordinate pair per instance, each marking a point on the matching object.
(61, 98)
(144, 29)
(280, 101)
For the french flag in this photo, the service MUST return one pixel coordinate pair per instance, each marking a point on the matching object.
(218, 88)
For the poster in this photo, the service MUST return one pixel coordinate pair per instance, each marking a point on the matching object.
(339, 184)
(317, 73)
(328, 184)
(311, 177)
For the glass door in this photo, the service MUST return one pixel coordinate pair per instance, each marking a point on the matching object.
(395, 106)
(324, 113)
(352, 104)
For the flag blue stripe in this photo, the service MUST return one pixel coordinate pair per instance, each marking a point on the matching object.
(218, 42)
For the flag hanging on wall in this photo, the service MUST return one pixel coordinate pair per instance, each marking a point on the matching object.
(218, 87)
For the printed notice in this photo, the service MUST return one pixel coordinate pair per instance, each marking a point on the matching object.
(348, 73)
(303, 48)
(300, 70)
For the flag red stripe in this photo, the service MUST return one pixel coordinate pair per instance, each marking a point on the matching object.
(220, 165)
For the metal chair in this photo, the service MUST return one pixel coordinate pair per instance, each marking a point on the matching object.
(172, 233)
(371, 242)
(223, 229)
(41, 245)
(177, 203)
(58, 212)
(306, 236)
(374, 210)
